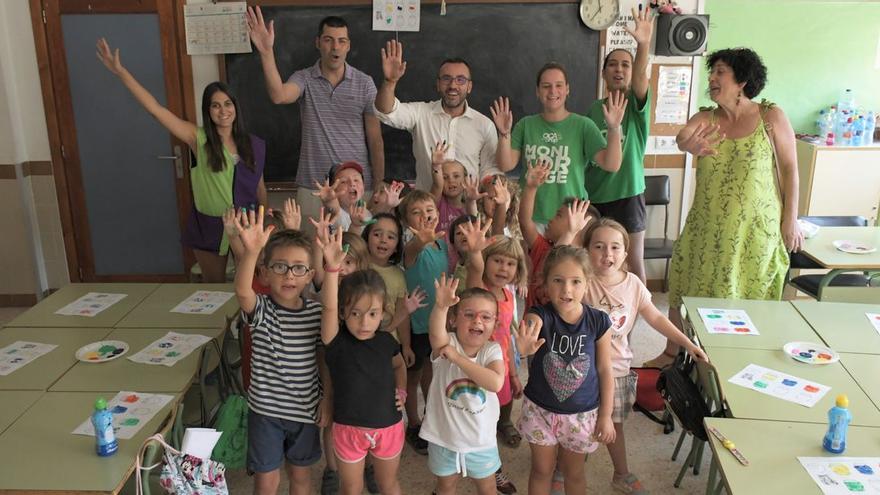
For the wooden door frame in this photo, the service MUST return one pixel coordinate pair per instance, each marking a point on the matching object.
(173, 52)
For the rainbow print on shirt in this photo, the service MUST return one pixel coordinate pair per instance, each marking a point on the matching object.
(462, 386)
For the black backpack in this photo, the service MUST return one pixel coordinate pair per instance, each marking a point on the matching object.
(683, 396)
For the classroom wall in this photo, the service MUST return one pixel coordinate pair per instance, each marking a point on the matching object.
(813, 50)
(32, 258)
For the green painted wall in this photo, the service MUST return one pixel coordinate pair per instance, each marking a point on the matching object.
(813, 50)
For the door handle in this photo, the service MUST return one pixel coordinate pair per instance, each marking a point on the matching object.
(168, 157)
(178, 165)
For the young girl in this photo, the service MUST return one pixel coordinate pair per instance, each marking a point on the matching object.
(568, 398)
(455, 192)
(494, 264)
(462, 402)
(458, 245)
(501, 204)
(366, 370)
(229, 163)
(623, 297)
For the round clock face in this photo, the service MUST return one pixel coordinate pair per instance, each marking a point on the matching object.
(599, 14)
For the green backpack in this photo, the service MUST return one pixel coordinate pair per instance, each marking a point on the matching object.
(231, 419)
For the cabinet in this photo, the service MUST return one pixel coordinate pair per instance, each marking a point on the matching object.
(839, 180)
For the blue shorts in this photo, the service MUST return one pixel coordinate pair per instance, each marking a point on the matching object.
(271, 441)
(475, 465)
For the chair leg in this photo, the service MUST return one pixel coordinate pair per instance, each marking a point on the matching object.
(684, 467)
(678, 445)
(698, 459)
(666, 277)
(710, 484)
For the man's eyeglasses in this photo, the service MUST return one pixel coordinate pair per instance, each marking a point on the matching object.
(486, 317)
(460, 80)
(279, 268)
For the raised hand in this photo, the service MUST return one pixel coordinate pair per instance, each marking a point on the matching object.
(438, 155)
(578, 215)
(359, 213)
(251, 231)
(472, 189)
(109, 58)
(331, 247)
(262, 36)
(415, 300)
(475, 235)
(291, 215)
(501, 193)
(425, 232)
(527, 341)
(325, 220)
(501, 115)
(393, 66)
(393, 194)
(326, 192)
(614, 108)
(644, 27)
(703, 141)
(229, 217)
(537, 172)
(445, 292)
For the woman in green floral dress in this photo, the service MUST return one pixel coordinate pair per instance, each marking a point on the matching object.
(739, 230)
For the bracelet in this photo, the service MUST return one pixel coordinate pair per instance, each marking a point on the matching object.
(332, 270)
(401, 393)
(504, 134)
(615, 128)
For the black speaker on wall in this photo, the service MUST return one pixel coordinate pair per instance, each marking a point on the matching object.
(681, 34)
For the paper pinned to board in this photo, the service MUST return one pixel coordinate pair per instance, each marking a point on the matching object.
(396, 15)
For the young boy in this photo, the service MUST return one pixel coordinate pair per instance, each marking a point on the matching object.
(343, 194)
(284, 421)
(425, 257)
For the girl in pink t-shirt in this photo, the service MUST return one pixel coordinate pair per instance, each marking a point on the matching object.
(623, 297)
(455, 191)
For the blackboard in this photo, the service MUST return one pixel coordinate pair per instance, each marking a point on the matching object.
(505, 45)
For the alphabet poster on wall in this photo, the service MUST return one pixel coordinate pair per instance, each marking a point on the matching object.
(396, 15)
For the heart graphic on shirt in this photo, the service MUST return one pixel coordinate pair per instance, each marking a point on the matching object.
(618, 321)
(564, 379)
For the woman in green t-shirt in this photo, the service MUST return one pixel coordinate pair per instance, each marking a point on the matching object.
(567, 140)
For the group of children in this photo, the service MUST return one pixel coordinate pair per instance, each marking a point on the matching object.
(418, 291)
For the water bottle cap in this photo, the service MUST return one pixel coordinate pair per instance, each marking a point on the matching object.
(101, 403)
(842, 400)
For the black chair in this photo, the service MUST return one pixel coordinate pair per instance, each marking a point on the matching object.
(657, 193)
(813, 284)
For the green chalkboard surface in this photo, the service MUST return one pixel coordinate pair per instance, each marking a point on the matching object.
(505, 45)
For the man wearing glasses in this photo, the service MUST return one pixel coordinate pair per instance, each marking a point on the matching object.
(469, 134)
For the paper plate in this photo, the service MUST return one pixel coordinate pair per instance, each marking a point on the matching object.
(101, 352)
(853, 247)
(810, 353)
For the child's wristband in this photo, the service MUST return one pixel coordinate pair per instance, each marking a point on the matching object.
(332, 270)
(401, 393)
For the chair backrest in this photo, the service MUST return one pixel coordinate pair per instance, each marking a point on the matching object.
(657, 190)
(837, 221)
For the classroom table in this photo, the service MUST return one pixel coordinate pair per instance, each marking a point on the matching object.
(749, 404)
(772, 449)
(155, 310)
(124, 374)
(38, 452)
(777, 322)
(843, 326)
(42, 372)
(865, 369)
(821, 250)
(43, 314)
(15, 403)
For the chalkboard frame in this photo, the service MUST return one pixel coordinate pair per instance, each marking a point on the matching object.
(594, 82)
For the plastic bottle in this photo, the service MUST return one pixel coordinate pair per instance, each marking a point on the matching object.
(102, 420)
(858, 131)
(870, 125)
(820, 123)
(847, 102)
(829, 139)
(838, 420)
(846, 132)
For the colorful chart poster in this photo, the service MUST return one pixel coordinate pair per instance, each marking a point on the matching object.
(20, 353)
(874, 318)
(673, 94)
(730, 321)
(131, 411)
(844, 475)
(169, 349)
(203, 302)
(396, 15)
(90, 304)
(780, 385)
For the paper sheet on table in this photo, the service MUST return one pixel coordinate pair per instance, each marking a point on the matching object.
(20, 353)
(203, 302)
(874, 318)
(90, 304)
(170, 349)
(780, 385)
(727, 321)
(844, 475)
(200, 442)
(131, 411)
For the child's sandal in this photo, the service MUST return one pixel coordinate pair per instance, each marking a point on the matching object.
(509, 435)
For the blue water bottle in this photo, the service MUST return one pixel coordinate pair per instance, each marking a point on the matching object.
(102, 420)
(838, 420)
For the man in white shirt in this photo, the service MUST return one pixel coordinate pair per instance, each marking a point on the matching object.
(470, 135)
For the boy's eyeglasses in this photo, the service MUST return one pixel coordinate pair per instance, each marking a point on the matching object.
(279, 268)
(460, 80)
(486, 317)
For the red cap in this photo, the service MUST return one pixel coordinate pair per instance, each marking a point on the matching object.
(334, 171)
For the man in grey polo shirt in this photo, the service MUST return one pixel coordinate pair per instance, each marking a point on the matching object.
(336, 106)
(469, 134)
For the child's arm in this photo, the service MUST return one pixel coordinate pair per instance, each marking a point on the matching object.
(476, 242)
(399, 381)
(322, 227)
(331, 246)
(253, 237)
(438, 156)
(325, 407)
(578, 218)
(609, 157)
(291, 215)
(406, 306)
(181, 129)
(605, 432)
(516, 388)
(527, 341)
(326, 192)
(444, 299)
(661, 323)
(490, 377)
(424, 236)
(359, 215)
(404, 333)
(392, 198)
(536, 174)
(502, 205)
